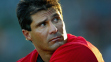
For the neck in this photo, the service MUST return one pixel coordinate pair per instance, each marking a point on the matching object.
(45, 55)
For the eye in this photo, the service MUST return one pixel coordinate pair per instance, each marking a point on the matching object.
(42, 24)
(55, 20)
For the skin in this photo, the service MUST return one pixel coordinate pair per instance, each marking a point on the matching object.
(47, 32)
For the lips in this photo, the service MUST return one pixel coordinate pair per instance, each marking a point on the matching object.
(57, 38)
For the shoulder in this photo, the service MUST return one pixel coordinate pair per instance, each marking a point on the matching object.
(30, 57)
(74, 52)
(76, 39)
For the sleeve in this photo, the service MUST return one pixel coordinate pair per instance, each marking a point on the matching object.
(73, 52)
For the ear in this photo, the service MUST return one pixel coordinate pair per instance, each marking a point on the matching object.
(26, 34)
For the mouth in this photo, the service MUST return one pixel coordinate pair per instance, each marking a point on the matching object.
(57, 38)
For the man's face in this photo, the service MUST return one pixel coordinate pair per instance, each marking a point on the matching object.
(47, 30)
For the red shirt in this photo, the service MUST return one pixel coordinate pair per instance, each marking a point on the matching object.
(77, 49)
(31, 57)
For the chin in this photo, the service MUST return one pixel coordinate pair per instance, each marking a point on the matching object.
(56, 45)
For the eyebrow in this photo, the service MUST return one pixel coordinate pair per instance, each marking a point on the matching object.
(56, 14)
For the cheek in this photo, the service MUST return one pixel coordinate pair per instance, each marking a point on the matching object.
(42, 33)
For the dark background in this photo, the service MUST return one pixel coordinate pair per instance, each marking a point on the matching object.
(88, 18)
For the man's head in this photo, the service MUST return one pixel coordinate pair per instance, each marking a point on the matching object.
(42, 23)
(26, 8)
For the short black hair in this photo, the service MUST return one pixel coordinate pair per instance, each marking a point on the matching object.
(26, 8)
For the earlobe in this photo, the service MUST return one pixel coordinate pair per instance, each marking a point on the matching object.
(26, 34)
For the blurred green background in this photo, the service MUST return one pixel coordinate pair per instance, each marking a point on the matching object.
(88, 18)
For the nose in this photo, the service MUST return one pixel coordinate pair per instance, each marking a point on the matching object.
(53, 29)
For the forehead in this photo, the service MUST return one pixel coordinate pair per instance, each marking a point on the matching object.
(45, 13)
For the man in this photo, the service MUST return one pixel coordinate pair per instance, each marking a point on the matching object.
(42, 24)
